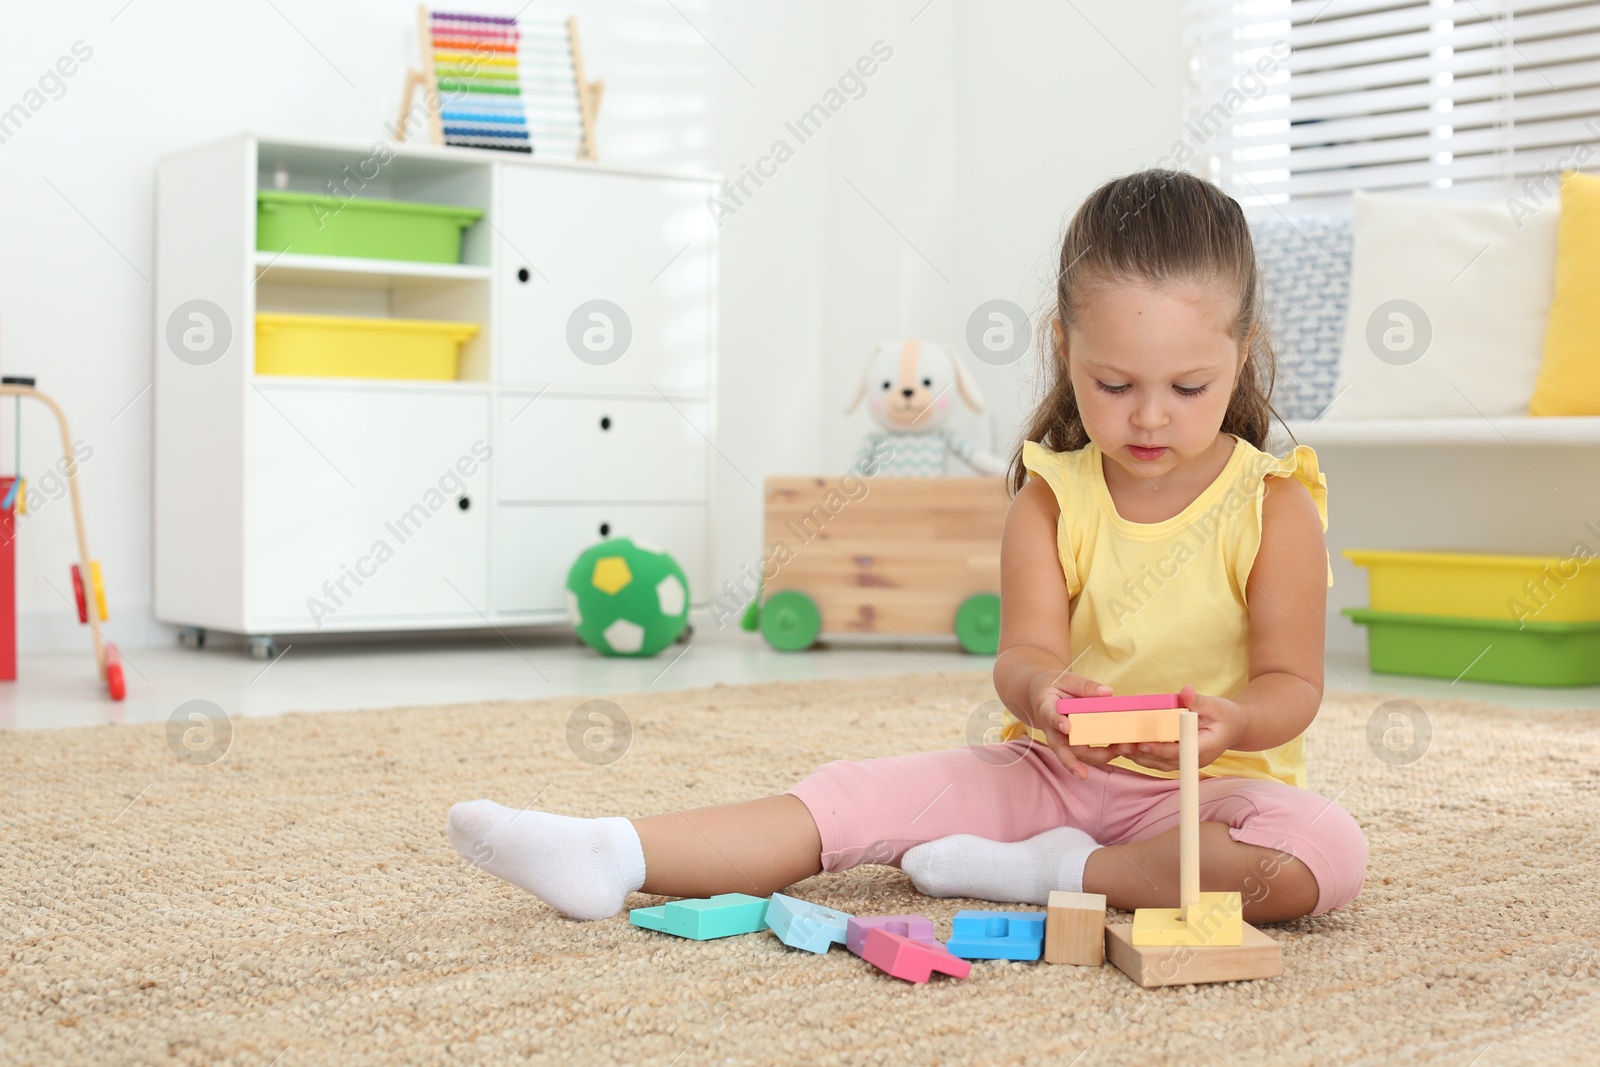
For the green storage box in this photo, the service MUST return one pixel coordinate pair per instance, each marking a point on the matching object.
(1481, 650)
(317, 225)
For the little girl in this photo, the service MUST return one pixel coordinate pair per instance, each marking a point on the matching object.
(1151, 546)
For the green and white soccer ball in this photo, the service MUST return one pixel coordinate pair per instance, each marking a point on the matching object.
(627, 598)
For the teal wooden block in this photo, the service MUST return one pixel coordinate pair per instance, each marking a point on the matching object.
(997, 935)
(723, 915)
(801, 924)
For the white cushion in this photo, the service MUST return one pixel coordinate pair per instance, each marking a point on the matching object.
(1448, 300)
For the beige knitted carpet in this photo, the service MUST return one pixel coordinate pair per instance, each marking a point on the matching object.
(297, 902)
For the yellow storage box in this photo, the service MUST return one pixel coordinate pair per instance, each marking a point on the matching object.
(335, 346)
(1463, 585)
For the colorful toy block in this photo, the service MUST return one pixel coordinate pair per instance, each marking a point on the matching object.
(909, 959)
(801, 924)
(915, 927)
(723, 915)
(997, 935)
(1137, 702)
(1120, 727)
(1075, 928)
(1216, 919)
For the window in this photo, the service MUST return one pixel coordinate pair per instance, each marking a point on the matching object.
(1303, 101)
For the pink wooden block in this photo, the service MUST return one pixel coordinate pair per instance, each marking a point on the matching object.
(915, 927)
(910, 960)
(1137, 702)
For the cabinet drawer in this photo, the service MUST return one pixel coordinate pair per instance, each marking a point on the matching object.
(535, 546)
(562, 449)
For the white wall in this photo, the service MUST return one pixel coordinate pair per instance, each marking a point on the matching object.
(990, 121)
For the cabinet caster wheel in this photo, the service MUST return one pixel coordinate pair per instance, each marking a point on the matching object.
(192, 637)
(261, 646)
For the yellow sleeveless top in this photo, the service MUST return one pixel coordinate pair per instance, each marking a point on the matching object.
(1157, 606)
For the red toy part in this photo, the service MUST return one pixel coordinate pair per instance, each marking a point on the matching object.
(78, 595)
(1145, 702)
(913, 961)
(115, 682)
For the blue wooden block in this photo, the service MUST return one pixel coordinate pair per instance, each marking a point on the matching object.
(723, 915)
(801, 924)
(997, 935)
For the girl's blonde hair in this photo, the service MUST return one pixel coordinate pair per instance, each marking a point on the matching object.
(1156, 227)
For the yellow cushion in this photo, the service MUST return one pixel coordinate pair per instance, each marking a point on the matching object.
(1569, 377)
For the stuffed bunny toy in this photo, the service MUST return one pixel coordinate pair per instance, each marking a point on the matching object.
(907, 388)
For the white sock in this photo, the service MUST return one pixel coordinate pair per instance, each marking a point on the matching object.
(1020, 872)
(584, 868)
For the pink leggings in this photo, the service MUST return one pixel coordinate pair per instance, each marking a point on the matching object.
(872, 811)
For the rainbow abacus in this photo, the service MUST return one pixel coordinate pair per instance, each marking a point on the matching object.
(476, 67)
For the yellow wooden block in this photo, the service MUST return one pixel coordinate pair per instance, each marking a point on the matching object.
(1258, 957)
(1123, 727)
(1217, 919)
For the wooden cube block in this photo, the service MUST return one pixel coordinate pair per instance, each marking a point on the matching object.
(1123, 727)
(1258, 957)
(1217, 919)
(1075, 928)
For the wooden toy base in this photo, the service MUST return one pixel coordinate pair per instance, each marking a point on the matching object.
(1258, 957)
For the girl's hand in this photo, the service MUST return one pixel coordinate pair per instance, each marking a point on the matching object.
(1048, 688)
(1222, 721)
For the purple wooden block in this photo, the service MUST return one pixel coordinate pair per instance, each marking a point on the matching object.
(915, 927)
(908, 959)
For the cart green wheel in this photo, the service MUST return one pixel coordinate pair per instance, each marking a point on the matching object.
(978, 624)
(790, 621)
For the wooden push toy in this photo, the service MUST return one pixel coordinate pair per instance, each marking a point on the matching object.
(107, 660)
(907, 556)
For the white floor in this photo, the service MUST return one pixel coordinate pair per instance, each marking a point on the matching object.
(62, 690)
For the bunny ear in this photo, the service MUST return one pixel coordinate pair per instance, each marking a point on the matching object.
(966, 384)
(866, 376)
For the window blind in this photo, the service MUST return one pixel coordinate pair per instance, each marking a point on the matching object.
(1303, 101)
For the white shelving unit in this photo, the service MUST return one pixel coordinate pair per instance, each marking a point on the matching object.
(294, 505)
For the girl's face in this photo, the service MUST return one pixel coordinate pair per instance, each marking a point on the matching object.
(1153, 370)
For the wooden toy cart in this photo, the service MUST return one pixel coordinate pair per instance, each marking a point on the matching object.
(86, 570)
(881, 555)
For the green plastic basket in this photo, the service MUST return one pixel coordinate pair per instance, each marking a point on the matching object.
(318, 225)
(1481, 650)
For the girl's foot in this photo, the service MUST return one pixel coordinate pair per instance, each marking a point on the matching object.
(584, 868)
(1020, 872)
